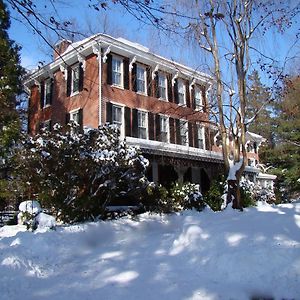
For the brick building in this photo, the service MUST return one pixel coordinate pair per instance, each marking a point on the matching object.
(159, 105)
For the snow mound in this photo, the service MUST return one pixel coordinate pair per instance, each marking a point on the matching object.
(31, 206)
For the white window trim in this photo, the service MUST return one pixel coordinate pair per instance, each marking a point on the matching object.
(168, 127)
(197, 89)
(180, 82)
(47, 82)
(72, 77)
(72, 113)
(166, 86)
(145, 79)
(203, 135)
(119, 58)
(146, 120)
(186, 131)
(122, 106)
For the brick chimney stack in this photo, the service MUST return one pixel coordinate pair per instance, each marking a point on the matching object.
(60, 48)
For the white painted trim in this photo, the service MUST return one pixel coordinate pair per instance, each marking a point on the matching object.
(132, 61)
(106, 52)
(81, 59)
(121, 59)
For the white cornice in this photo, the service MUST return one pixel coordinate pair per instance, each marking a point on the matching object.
(120, 47)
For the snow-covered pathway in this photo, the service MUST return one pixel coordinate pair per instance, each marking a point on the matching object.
(228, 255)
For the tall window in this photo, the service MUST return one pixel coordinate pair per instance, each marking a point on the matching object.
(140, 79)
(162, 86)
(117, 71)
(75, 79)
(164, 129)
(200, 136)
(198, 99)
(117, 115)
(142, 125)
(183, 132)
(48, 92)
(181, 92)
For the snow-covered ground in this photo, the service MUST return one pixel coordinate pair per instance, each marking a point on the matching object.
(228, 255)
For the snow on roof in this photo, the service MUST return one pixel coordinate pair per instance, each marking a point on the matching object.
(77, 44)
(132, 44)
(255, 137)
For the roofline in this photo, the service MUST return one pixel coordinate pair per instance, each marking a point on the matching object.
(105, 41)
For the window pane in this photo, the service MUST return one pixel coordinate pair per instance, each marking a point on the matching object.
(117, 115)
(183, 132)
(200, 136)
(140, 79)
(47, 99)
(181, 93)
(198, 99)
(75, 79)
(162, 86)
(116, 71)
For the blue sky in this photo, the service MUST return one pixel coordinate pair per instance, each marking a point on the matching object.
(117, 22)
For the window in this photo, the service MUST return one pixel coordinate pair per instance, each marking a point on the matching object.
(181, 92)
(162, 90)
(75, 116)
(164, 129)
(140, 79)
(117, 116)
(48, 92)
(183, 132)
(117, 71)
(75, 79)
(142, 125)
(200, 136)
(46, 125)
(198, 100)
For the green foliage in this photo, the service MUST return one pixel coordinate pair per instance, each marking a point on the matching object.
(77, 174)
(10, 85)
(213, 198)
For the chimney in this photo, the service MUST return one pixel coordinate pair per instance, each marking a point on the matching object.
(60, 47)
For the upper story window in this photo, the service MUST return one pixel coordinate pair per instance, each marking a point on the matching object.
(200, 136)
(141, 79)
(75, 79)
(181, 92)
(48, 92)
(164, 129)
(198, 99)
(117, 71)
(162, 86)
(142, 125)
(183, 132)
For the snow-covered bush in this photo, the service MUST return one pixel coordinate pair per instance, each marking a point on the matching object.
(77, 174)
(214, 197)
(32, 216)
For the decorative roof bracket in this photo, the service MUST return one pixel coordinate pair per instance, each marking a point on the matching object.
(154, 71)
(175, 76)
(132, 61)
(106, 52)
(81, 59)
(63, 69)
(192, 84)
(97, 50)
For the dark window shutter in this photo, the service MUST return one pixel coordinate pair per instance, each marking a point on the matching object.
(190, 127)
(193, 97)
(109, 69)
(187, 94)
(151, 125)
(67, 118)
(156, 85)
(133, 77)
(126, 73)
(172, 130)
(170, 89)
(81, 76)
(204, 101)
(50, 125)
(51, 91)
(80, 119)
(178, 139)
(157, 127)
(176, 100)
(207, 139)
(149, 81)
(69, 81)
(196, 142)
(108, 112)
(42, 94)
(134, 122)
(127, 121)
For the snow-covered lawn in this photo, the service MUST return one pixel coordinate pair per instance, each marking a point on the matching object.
(228, 255)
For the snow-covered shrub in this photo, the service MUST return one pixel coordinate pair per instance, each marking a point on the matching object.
(186, 196)
(214, 197)
(247, 188)
(77, 174)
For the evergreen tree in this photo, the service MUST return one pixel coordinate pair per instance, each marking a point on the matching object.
(258, 106)
(10, 84)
